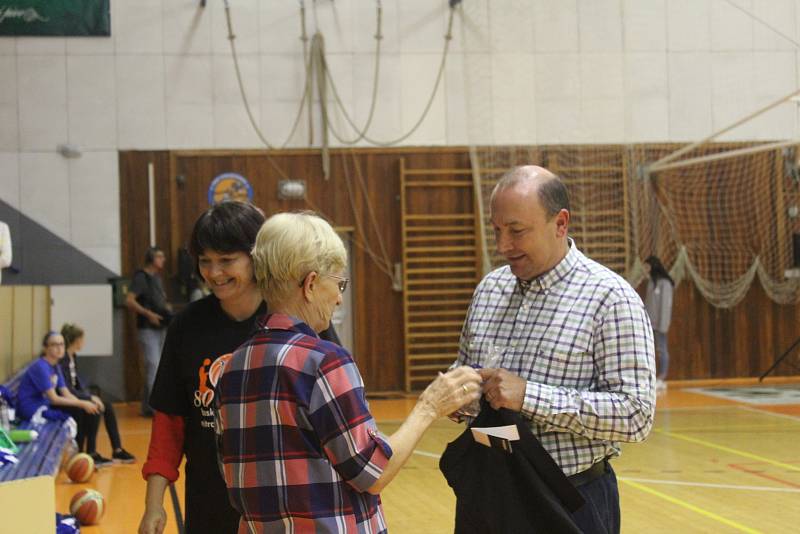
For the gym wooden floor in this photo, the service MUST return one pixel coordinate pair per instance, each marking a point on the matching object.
(710, 465)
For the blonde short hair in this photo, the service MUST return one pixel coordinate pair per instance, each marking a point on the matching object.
(291, 245)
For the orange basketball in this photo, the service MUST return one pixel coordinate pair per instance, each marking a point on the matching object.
(87, 506)
(80, 467)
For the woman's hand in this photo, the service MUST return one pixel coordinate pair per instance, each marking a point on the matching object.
(449, 392)
(153, 521)
(89, 407)
(99, 403)
(452, 390)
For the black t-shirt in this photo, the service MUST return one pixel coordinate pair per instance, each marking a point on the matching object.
(197, 340)
(69, 368)
(150, 294)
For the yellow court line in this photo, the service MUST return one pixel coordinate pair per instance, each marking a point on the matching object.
(697, 509)
(723, 448)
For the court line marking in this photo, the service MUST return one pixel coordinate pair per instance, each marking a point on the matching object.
(692, 507)
(761, 411)
(709, 485)
(729, 450)
(766, 476)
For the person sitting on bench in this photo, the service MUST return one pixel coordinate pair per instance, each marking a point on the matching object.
(73, 338)
(43, 386)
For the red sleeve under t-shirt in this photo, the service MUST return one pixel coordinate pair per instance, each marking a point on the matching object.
(166, 446)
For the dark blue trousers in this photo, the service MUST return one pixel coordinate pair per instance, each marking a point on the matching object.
(600, 514)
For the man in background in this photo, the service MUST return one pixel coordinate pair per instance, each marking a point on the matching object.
(147, 298)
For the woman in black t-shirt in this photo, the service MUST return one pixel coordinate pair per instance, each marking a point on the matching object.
(199, 341)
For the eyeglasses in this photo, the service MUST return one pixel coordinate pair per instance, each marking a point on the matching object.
(56, 344)
(342, 282)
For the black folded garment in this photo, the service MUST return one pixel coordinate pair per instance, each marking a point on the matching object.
(503, 489)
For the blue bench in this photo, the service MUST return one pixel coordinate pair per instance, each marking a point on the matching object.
(42, 456)
(27, 488)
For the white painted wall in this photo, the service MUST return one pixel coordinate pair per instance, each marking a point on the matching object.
(528, 71)
(88, 306)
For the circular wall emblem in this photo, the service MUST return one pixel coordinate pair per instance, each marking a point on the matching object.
(229, 186)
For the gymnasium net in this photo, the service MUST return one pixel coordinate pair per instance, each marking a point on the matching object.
(720, 223)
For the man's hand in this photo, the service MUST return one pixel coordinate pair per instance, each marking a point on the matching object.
(132, 304)
(154, 318)
(503, 389)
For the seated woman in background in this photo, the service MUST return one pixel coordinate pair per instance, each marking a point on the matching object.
(43, 386)
(73, 338)
(300, 451)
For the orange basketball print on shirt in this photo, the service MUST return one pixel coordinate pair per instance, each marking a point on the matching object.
(207, 377)
(217, 367)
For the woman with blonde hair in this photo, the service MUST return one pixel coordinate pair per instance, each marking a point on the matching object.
(299, 449)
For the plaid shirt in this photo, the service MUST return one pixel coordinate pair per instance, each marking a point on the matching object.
(581, 338)
(298, 445)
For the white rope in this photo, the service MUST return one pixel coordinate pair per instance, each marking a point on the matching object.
(243, 93)
(371, 213)
(380, 262)
(384, 264)
(448, 37)
(362, 132)
(486, 263)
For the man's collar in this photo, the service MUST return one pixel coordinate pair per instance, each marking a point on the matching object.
(546, 280)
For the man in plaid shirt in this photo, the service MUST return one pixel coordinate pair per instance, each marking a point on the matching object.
(563, 341)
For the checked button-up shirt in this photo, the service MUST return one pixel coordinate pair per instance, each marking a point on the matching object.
(299, 447)
(580, 336)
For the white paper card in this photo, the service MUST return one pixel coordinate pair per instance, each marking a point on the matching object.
(508, 432)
